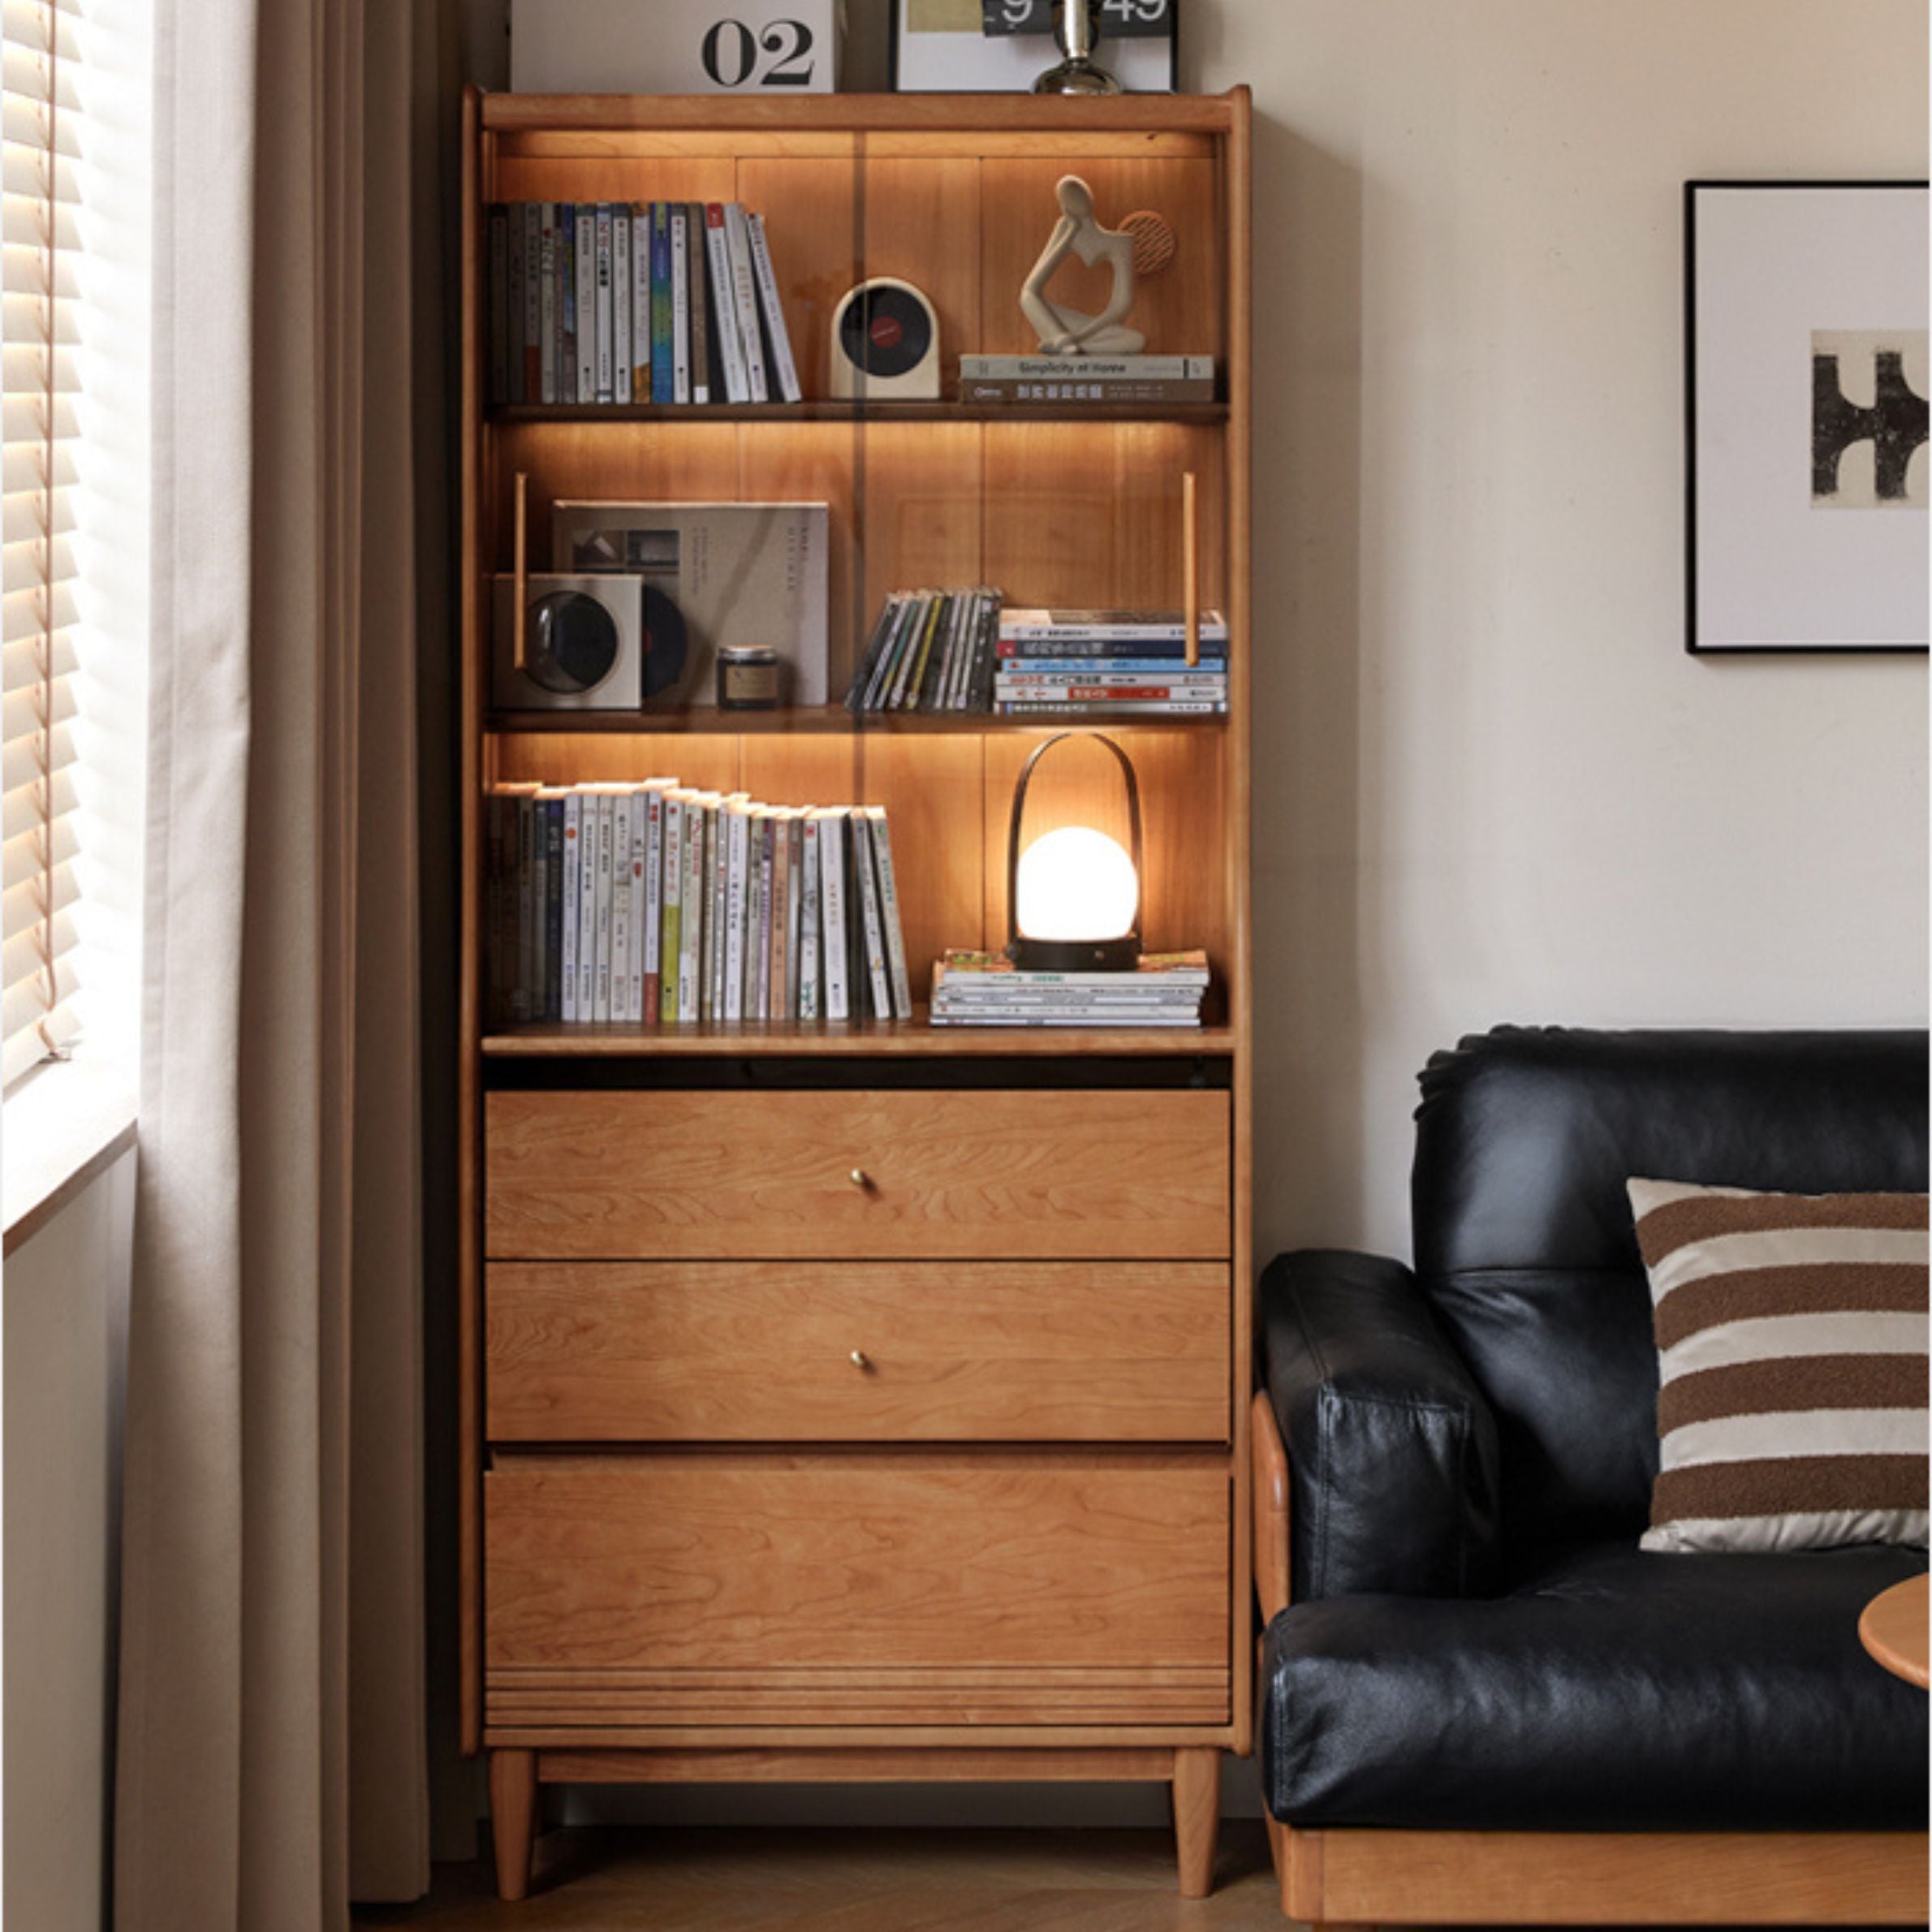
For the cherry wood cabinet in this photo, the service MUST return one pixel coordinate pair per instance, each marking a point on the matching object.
(871, 1400)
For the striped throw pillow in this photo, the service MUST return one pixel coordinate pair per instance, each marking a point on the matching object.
(1792, 1352)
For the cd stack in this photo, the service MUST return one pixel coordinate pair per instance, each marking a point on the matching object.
(1130, 663)
(986, 988)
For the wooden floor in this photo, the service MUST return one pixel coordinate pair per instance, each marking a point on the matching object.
(885, 1881)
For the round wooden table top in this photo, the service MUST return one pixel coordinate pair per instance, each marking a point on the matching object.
(1893, 1628)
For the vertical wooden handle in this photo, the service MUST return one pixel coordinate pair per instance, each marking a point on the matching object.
(1190, 567)
(519, 655)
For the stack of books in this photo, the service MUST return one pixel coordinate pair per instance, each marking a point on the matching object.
(1064, 380)
(659, 905)
(931, 650)
(634, 302)
(1056, 663)
(986, 988)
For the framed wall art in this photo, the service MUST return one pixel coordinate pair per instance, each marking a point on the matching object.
(1806, 383)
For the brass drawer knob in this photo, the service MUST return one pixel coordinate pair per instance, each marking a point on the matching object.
(859, 1178)
(859, 1360)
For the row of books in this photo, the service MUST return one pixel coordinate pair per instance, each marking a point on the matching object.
(660, 905)
(986, 988)
(1074, 380)
(1069, 663)
(963, 650)
(931, 650)
(634, 302)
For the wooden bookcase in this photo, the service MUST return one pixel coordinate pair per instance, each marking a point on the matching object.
(870, 1401)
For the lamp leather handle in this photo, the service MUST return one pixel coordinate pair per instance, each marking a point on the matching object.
(1026, 775)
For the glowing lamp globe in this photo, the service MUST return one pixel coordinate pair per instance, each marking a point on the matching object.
(1074, 893)
(1077, 884)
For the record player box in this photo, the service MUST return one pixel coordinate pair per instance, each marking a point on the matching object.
(733, 573)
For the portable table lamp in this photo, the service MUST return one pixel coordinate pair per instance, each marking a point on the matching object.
(1074, 896)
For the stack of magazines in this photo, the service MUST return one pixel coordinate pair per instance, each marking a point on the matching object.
(986, 988)
(931, 650)
(634, 302)
(660, 905)
(1132, 663)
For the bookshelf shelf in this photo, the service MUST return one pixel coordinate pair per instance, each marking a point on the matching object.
(858, 1038)
(825, 721)
(984, 1208)
(1198, 414)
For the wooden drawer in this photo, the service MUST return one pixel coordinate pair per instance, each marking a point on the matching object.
(728, 1587)
(662, 1176)
(949, 1351)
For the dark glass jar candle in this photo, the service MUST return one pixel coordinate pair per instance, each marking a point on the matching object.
(747, 678)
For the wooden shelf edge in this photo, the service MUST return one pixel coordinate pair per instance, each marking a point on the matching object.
(1190, 415)
(865, 113)
(860, 1038)
(829, 720)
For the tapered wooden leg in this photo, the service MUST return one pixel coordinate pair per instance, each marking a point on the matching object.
(513, 1818)
(1278, 1853)
(1196, 1817)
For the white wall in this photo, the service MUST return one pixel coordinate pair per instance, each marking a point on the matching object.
(65, 1305)
(1491, 785)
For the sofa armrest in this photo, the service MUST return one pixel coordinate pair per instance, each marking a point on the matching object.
(1391, 1449)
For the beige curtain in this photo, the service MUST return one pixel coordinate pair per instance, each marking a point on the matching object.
(271, 1761)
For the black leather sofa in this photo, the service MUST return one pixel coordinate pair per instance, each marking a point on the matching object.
(1483, 1701)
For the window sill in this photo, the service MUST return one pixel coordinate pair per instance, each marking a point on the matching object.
(65, 1125)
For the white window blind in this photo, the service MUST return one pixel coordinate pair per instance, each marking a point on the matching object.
(72, 326)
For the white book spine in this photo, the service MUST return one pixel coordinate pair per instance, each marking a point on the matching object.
(710, 967)
(680, 308)
(786, 370)
(620, 906)
(606, 320)
(671, 912)
(738, 853)
(831, 862)
(587, 905)
(808, 957)
(889, 918)
(691, 929)
(573, 806)
(721, 889)
(600, 994)
(763, 825)
(792, 832)
(547, 304)
(654, 902)
(723, 310)
(871, 928)
(640, 806)
(586, 250)
(640, 303)
(620, 304)
(744, 301)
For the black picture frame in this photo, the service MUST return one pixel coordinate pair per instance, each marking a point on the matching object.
(895, 8)
(1694, 644)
